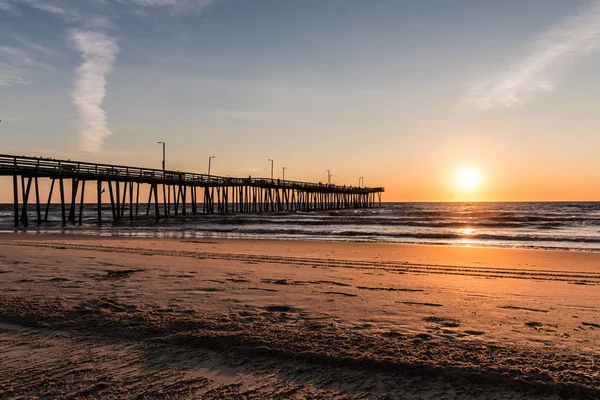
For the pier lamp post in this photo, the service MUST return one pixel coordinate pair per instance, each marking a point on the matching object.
(271, 168)
(329, 177)
(283, 173)
(361, 181)
(209, 160)
(163, 160)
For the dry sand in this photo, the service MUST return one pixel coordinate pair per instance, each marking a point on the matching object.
(86, 317)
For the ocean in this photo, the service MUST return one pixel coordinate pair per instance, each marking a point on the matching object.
(571, 226)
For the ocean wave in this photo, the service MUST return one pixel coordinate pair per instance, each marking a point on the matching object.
(415, 235)
(292, 219)
(559, 225)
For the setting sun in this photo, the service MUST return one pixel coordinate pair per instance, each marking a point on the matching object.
(468, 178)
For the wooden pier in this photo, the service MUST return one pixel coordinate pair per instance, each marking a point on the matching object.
(171, 193)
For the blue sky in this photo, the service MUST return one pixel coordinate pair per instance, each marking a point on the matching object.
(401, 92)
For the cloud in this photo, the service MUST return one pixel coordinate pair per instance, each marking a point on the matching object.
(99, 52)
(43, 50)
(5, 5)
(16, 66)
(173, 3)
(552, 53)
(80, 11)
(140, 7)
(18, 57)
(11, 76)
(52, 7)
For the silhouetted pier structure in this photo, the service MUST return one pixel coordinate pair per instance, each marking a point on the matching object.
(180, 192)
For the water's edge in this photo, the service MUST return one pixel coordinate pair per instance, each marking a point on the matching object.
(561, 226)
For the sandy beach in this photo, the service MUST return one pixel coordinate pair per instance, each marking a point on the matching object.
(90, 317)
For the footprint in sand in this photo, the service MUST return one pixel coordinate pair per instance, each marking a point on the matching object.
(591, 324)
(208, 290)
(448, 332)
(422, 336)
(474, 333)
(327, 283)
(389, 289)
(533, 324)
(391, 334)
(342, 294)
(523, 309)
(415, 303)
(280, 308)
(276, 281)
(119, 274)
(443, 321)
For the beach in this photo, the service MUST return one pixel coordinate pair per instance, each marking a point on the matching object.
(111, 317)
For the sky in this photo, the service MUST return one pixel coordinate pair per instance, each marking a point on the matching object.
(403, 93)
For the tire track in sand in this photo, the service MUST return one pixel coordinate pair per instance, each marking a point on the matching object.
(581, 277)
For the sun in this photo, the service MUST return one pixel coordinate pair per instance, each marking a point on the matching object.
(468, 178)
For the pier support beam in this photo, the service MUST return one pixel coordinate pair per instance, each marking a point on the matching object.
(49, 200)
(38, 206)
(137, 199)
(131, 201)
(16, 199)
(112, 200)
(62, 201)
(75, 185)
(25, 192)
(99, 188)
(156, 206)
(81, 203)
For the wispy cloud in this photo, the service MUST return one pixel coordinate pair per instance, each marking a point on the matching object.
(552, 53)
(52, 7)
(99, 52)
(11, 76)
(173, 3)
(5, 5)
(46, 51)
(16, 65)
(18, 57)
(81, 10)
(85, 13)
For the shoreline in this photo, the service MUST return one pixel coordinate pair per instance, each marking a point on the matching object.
(73, 235)
(405, 320)
(300, 238)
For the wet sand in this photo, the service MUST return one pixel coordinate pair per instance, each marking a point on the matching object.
(96, 317)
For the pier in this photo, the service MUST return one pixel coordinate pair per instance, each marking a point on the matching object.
(171, 193)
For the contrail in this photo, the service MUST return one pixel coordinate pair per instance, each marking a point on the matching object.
(99, 53)
(553, 51)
